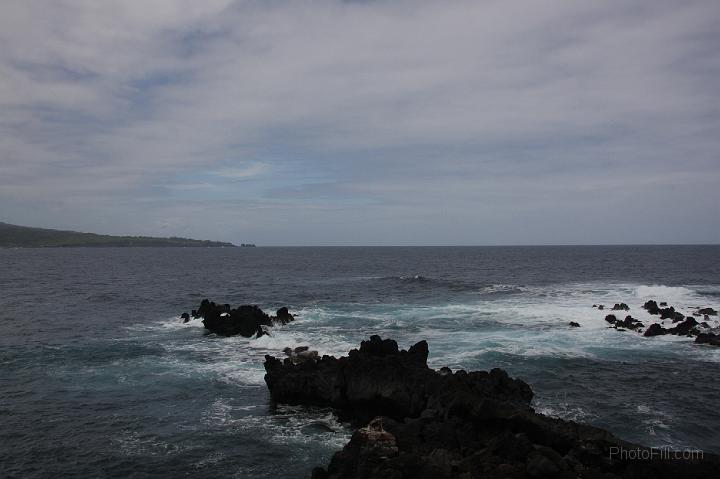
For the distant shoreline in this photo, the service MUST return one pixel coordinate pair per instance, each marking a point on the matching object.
(14, 236)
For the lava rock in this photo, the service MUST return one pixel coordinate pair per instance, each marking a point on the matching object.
(670, 313)
(686, 327)
(655, 330)
(707, 311)
(380, 379)
(708, 338)
(620, 307)
(246, 320)
(301, 354)
(651, 307)
(185, 317)
(466, 425)
(629, 322)
(283, 316)
(574, 324)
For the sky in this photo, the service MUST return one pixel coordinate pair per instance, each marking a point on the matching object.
(363, 122)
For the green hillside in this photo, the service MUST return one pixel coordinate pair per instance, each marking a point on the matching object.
(12, 236)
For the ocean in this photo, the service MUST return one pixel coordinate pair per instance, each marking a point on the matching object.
(100, 378)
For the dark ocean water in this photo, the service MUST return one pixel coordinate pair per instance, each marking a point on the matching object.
(98, 377)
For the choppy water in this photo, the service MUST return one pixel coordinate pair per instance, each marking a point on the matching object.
(100, 379)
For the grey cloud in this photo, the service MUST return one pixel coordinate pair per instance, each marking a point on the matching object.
(370, 119)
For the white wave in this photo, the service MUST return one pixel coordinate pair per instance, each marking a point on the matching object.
(669, 294)
(283, 425)
(532, 324)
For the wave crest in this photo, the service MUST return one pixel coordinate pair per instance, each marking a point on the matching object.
(664, 293)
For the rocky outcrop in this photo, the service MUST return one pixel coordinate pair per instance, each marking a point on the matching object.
(283, 316)
(574, 324)
(380, 379)
(688, 327)
(655, 330)
(444, 424)
(628, 323)
(620, 307)
(683, 326)
(706, 312)
(708, 338)
(301, 354)
(246, 320)
(670, 313)
(652, 307)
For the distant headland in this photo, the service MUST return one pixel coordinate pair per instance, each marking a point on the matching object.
(14, 236)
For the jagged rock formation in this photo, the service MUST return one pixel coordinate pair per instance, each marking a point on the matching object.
(245, 320)
(684, 325)
(444, 424)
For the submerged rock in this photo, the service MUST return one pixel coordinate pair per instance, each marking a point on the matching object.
(452, 425)
(707, 312)
(245, 320)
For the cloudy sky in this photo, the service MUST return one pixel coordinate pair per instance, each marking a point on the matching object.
(363, 122)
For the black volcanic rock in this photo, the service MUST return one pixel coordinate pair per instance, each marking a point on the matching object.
(574, 324)
(245, 320)
(629, 322)
(708, 338)
(283, 316)
(460, 425)
(620, 307)
(380, 379)
(686, 327)
(655, 330)
(670, 313)
(651, 307)
(707, 312)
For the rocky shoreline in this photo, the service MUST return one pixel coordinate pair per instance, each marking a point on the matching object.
(416, 422)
